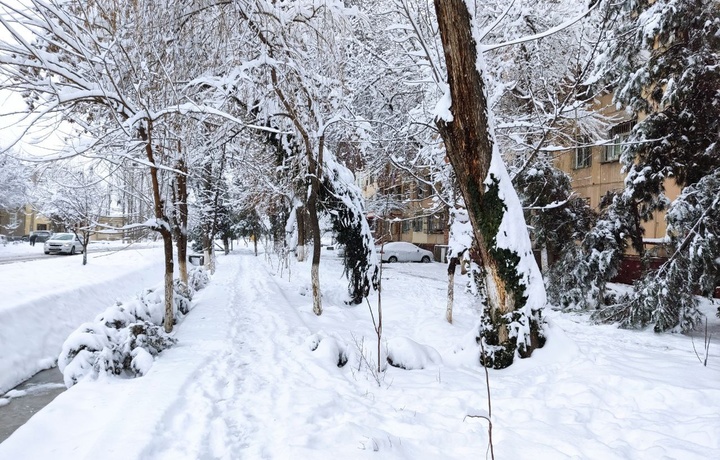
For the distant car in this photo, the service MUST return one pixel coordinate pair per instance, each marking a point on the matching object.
(41, 235)
(63, 243)
(399, 251)
(3, 240)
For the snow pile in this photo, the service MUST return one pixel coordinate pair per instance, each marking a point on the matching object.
(407, 354)
(125, 338)
(361, 353)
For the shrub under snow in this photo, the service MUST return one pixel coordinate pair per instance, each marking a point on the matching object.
(125, 338)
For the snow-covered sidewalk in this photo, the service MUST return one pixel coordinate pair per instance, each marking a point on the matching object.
(244, 383)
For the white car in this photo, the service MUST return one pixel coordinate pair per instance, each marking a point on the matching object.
(399, 251)
(63, 243)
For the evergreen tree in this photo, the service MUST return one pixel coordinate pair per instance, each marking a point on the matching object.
(666, 68)
(556, 216)
(666, 297)
(663, 62)
(579, 279)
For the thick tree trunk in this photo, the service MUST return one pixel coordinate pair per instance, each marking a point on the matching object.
(315, 229)
(469, 147)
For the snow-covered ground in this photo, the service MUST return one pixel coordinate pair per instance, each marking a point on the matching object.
(244, 383)
(44, 300)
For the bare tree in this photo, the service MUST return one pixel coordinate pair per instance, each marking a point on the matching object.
(78, 199)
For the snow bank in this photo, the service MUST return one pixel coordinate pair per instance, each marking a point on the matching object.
(44, 301)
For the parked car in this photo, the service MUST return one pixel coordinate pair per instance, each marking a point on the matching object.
(399, 251)
(41, 235)
(63, 243)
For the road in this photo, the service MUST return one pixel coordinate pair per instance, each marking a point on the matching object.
(13, 257)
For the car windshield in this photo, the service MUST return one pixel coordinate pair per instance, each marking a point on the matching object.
(63, 236)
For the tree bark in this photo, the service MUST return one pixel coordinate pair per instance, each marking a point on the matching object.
(180, 216)
(469, 147)
(162, 226)
(302, 237)
(454, 261)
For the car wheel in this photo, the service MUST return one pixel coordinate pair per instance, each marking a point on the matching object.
(72, 251)
(426, 260)
(392, 259)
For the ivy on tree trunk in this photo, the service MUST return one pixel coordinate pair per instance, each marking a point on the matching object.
(469, 147)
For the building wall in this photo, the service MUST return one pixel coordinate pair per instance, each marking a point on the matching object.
(601, 176)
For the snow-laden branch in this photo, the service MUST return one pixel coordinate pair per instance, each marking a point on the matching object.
(538, 36)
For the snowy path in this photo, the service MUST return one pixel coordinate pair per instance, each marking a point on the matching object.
(238, 406)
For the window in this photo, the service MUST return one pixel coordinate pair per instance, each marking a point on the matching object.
(619, 134)
(418, 224)
(41, 226)
(13, 221)
(583, 153)
(405, 226)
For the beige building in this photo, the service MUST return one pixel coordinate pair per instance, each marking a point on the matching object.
(402, 209)
(595, 170)
(16, 223)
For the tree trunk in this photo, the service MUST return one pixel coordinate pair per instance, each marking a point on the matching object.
(302, 237)
(180, 217)
(451, 288)
(469, 147)
(315, 229)
(162, 226)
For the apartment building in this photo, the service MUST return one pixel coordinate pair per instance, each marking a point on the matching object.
(595, 170)
(401, 208)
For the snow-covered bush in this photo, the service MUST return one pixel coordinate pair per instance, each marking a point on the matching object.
(182, 297)
(109, 346)
(198, 278)
(125, 338)
(408, 354)
(329, 349)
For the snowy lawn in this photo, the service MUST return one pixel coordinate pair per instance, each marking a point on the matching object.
(44, 300)
(244, 383)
